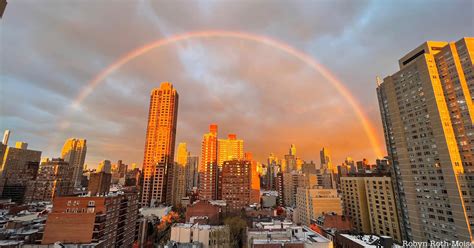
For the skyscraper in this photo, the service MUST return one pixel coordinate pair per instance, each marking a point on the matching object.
(326, 161)
(105, 166)
(292, 150)
(427, 114)
(192, 173)
(208, 169)
(74, 152)
(254, 179)
(179, 173)
(159, 145)
(230, 149)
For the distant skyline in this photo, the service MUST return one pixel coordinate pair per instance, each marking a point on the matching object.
(50, 50)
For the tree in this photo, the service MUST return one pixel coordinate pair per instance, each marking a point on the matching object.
(237, 227)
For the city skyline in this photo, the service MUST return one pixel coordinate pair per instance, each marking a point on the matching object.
(115, 111)
(237, 124)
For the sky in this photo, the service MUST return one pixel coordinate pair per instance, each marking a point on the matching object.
(51, 50)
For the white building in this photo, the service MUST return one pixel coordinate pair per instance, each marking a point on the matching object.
(209, 236)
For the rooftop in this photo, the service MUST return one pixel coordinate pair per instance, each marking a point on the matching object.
(290, 234)
(366, 240)
(197, 226)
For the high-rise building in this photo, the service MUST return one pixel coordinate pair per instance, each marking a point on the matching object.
(272, 168)
(18, 166)
(254, 179)
(99, 183)
(350, 164)
(236, 183)
(309, 168)
(326, 161)
(363, 166)
(74, 152)
(370, 202)
(158, 158)
(355, 203)
(290, 163)
(311, 203)
(106, 221)
(105, 166)
(280, 188)
(230, 149)
(427, 114)
(179, 174)
(192, 173)
(183, 154)
(292, 181)
(54, 179)
(382, 207)
(292, 150)
(119, 171)
(208, 168)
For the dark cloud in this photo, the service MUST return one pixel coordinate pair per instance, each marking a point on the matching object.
(51, 49)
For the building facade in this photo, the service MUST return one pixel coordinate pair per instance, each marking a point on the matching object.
(159, 145)
(19, 165)
(99, 183)
(107, 220)
(55, 178)
(428, 114)
(355, 203)
(74, 152)
(208, 168)
(230, 149)
(206, 235)
(192, 173)
(179, 172)
(311, 203)
(370, 203)
(236, 183)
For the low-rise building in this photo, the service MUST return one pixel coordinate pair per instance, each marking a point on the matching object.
(363, 241)
(330, 224)
(22, 228)
(203, 209)
(284, 234)
(206, 235)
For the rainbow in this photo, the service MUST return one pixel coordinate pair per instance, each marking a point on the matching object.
(309, 60)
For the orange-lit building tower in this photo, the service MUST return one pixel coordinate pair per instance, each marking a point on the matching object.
(208, 169)
(159, 145)
(254, 179)
(74, 152)
(227, 150)
(230, 149)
